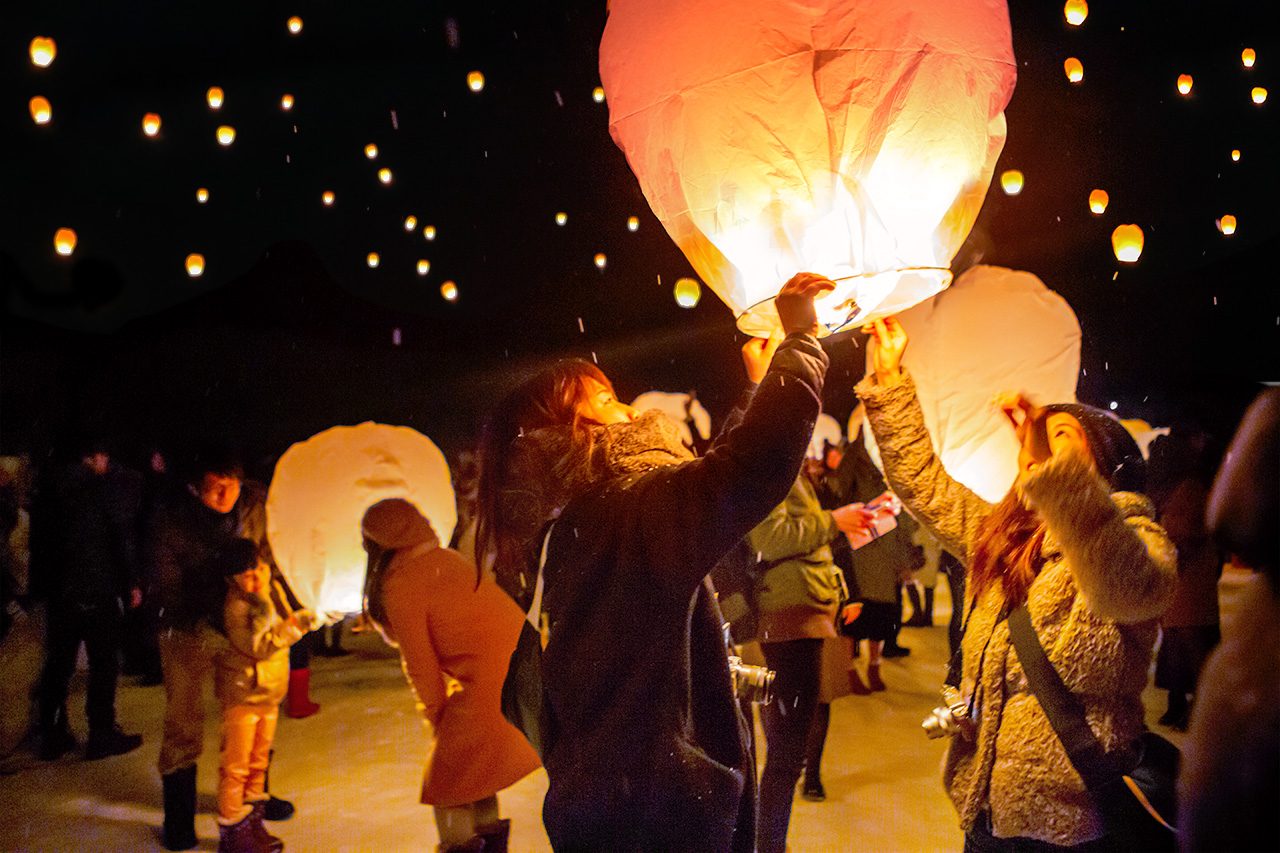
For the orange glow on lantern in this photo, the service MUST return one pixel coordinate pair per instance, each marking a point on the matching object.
(43, 50)
(1227, 225)
(449, 290)
(202, 195)
(151, 124)
(562, 218)
(410, 222)
(294, 24)
(475, 81)
(64, 241)
(1011, 181)
(1184, 84)
(1074, 69)
(41, 110)
(597, 94)
(286, 102)
(1075, 11)
(1126, 242)
(633, 223)
(687, 292)
(1248, 56)
(384, 175)
(371, 151)
(373, 259)
(1259, 95)
(195, 265)
(1098, 200)
(601, 260)
(1235, 155)
(214, 97)
(429, 232)
(226, 135)
(424, 267)
(326, 198)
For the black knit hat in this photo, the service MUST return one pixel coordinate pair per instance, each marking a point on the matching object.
(1114, 451)
(238, 555)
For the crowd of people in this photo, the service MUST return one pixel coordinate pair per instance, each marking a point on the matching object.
(641, 573)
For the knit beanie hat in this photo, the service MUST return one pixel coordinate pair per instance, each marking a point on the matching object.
(395, 523)
(238, 555)
(1114, 451)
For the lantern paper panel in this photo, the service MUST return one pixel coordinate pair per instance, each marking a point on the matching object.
(319, 494)
(852, 139)
(1143, 434)
(680, 408)
(994, 330)
(826, 430)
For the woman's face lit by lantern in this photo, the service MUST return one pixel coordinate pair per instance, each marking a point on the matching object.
(1043, 437)
(599, 405)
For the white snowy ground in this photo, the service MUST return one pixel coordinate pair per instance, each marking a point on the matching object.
(354, 769)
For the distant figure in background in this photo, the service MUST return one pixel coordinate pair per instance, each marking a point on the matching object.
(455, 639)
(141, 650)
(1179, 486)
(920, 588)
(1230, 779)
(85, 566)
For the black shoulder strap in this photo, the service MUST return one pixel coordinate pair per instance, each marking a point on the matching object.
(1063, 709)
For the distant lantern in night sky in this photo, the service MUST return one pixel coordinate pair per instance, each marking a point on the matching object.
(1098, 201)
(294, 24)
(1074, 69)
(371, 151)
(687, 292)
(1011, 181)
(41, 110)
(373, 259)
(326, 198)
(429, 232)
(1075, 11)
(226, 135)
(1126, 241)
(475, 81)
(44, 49)
(64, 241)
(449, 290)
(202, 195)
(1259, 95)
(151, 124)
(384, 175)
(1227, 225)
(410, 222)
(633, 223)
(1184, 84)
(601, 260)
(1235, 155)
(597, 94)
(562, 218)
(214, 96)
(195, 265)
(1248, 56)
(424, 266)
(286, 102)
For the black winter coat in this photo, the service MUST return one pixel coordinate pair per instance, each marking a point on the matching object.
(647, 747)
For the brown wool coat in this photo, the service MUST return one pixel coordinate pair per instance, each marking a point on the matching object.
(1109, 574)
(252, 668)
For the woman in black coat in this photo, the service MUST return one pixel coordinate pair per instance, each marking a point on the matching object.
(646, 747)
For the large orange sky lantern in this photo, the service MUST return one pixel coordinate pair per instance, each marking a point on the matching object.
(852, 139)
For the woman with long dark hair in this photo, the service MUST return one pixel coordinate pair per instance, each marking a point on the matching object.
(646, 748)
(1074, 542)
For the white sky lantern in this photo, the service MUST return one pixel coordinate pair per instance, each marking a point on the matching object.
(1184, 84)
(676, 406)
(286, 102)
(64, 241)
(1259, 95)
(429, 232)
(826, 430)
(43, 50)
(202, 195)
(424, 266)
(1126, 241)
(1227, 225)
(327, 198)
(597, 94)
(562, 218)
(321, 490)
(1098, 200)
(410, 222)
(1011, 181)
(1235, 155)
(601, 260)
(195, 264)
(633, 223)
(226, 135)
(449, 290)
(1248, 56)
(151, 124)
(1074, 69)
(1075, 11)
(994, 330)
(844, 138)
(688, 292)
(371, 151)
(294, 25)
(41, 110)
(214, 97)
(475, 81)
(373, 259)
(384, 175)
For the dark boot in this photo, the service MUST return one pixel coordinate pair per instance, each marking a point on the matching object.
(266, 841)
(873, 678)
(274, 808)
(893, 650)
(180, 809)
(495, 836)
(475, 844)
(109, 743)
(813, 790)
(928, 608)
(238, 837)
(55, 735)
(298, 704)
(917, 619)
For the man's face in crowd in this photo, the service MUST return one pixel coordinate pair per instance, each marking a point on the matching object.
(219, 492)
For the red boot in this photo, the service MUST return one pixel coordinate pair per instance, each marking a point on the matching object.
(298, 704)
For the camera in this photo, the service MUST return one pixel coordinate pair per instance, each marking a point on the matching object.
(752, 683)
(949, 718)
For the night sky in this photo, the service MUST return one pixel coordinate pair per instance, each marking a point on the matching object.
(289, 331)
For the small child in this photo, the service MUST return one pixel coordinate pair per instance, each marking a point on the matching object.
(252, 674)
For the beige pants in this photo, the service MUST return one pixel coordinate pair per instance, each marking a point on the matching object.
(459, 824)
(247, 733)
(187, 660)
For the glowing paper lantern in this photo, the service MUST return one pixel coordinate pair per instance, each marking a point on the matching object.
(633, 223)
(1259, 95)
(1074, 69)
(373, 259)
(449, 290)
(43, 50)
(319, 494)
(429, 232)
(1126, 241)
(424, 267)
(384, 175)
(1098, 202)
(994, 330)
(326, 198)
(1011, 181)
(597, 94)
(410, 222)
(286, 102)
(294, 24)
(1235, 155)
(64, 241)
(562, 218)
(226, 135)
(851, 139)
(214, 97)
(1248, 56)
(680, 408)
(195, 265)
(202, 195)
(601, 260)
(1143, 434)
(151, 124)
(826, 430)
(371, 151)
(475, 81)
(1227, 225)
(1075, 11)
(1184, 84)
(41, 110)
(688, 292)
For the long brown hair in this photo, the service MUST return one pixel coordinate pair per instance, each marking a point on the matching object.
(552, 398)
(1007, 550)
(375, 608)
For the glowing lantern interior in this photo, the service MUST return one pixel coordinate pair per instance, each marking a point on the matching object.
(1248, 56)
(226, 135)
(1011, 181)
(373, 259)
(64, 241)
(1074, 69)
(371, 151)
(195, 265)
(429, 232)
(681, 409)
(151, 124)
(294, 24)
(202, 195)
(43, 50)
(1259, 95)
(384, 175)
(597, 94)
(1075, 11)
(1227, 224)
(688, 292)
(562, 218)
(851, 139)
(633, 223)
(1127, 241)
(286, 102)
(214, 96)
(424, 267)
(1184, 84)
(475, 81)
(449, 290)
(41, 110)
(1098, 201)
(320, 492)
(326, 198)
(410, 222)
(601, 260)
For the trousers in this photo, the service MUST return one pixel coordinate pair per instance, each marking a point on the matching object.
(247, 734)
(787, 720)
(69, 625)
(186, 659)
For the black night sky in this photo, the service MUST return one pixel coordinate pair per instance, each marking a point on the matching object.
(289, 331)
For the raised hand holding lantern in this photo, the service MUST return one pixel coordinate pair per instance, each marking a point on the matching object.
(852, 139)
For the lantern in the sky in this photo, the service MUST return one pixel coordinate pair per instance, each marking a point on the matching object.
(321, 490)
(373, 259)
(601, 260)
(1074, 69)
(410, 222)
(1227, 225)
(151, 124)
(429, 232)
(286, 102)
(1235, 155)
(371, 151)
(1184, 84)
(326, 198)
(688, 292)
(384, 175)
(294, 24)
(1248, 56)
(684, 410)
(41, 109)
(195, 265)
(1259, 95)
(226, 135)
(214, 97)
(597, 94)
(1011, 181)
(202, 195)
(43, 50)
(1126, 241)
(848, 138)
(1075, 11)
(424, 267)
(475, 81)
(562, 218)
(449, 290)
(1098, 200)
(64, 241)
(633, 223)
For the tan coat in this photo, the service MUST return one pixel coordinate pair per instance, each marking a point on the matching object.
(252, 668)
(455, 643)
(1108, 575)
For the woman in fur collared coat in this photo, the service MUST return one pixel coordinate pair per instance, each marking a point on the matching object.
(1077, 545)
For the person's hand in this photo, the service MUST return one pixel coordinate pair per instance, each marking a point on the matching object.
(304, 619)
(887, 343)
(854, 518)
(795, 302)
(757, 354)
(850, 612)
(135, 598)
(1018, 410)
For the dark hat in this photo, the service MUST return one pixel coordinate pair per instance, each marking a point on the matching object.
(395, 523)
(238, 555)
(1114, 451)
